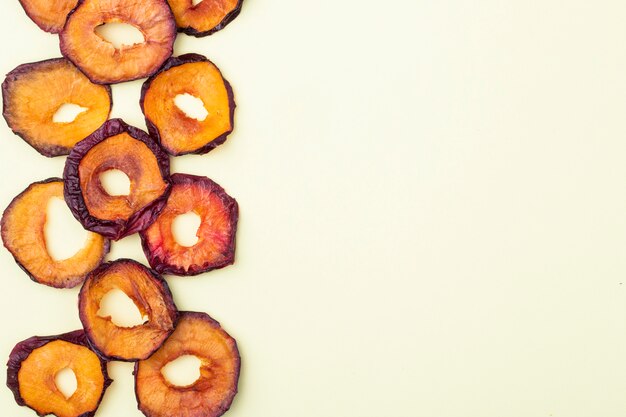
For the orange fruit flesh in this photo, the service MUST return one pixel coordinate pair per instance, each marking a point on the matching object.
(49, 15)
(23, 234)
(214, 234)
(179, 133)
(130, 156)
(34, 96)
(149, 297)
(37, 373)
(204, 16)
(199, 335)
(99, 59)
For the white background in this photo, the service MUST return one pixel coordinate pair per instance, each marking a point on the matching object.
(433, 210)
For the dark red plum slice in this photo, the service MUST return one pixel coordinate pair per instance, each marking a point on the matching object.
(188, 75)
(33, 93)
(212, 393)
(116, 145)
(102, 62)
(150, 294)
(49, 15)
(34, 364)
(206, 17)
(23, 235)
(218, 214)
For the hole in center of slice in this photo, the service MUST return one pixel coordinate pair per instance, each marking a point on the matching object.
(120, 34)
(194, 3)
(67, 113)
(192, 106)
(182, 371)
(64, 236)
(66, 382)
(121, 309)
(185, 229)
(115, 182)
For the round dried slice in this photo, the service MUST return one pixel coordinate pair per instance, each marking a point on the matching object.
(98, 58)
(150, 294)
(34, 364)
(188, 75)
(33, 93)
(212, 393)
(218, 214)
(23, 224)
(49, 15)
(116, 146)
(206, 17)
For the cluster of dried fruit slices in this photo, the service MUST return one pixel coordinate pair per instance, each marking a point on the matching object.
(32, 94)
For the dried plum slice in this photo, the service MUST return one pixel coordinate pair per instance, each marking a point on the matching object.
(196, 76)
(34, 363)
(212, 394)
(33, 93)
(116, 145)
(98, 58)
(218, 214)
(49, 15)
(204, 18)
(23, 235)
(150, 294)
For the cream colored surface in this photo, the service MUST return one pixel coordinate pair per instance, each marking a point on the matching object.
(433, 209)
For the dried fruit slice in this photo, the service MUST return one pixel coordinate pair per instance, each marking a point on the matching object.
(98, 58)
(34, 363)
(204, 18)
(23, 225)
(150, 294)
(212, 394)
(218, 213)
(179, 134)
(116, 145)
(48, 15)
(32, 94)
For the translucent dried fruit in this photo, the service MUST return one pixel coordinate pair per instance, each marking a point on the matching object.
(98, 58)
(218, 214)
(150, 294)
(179, 134)
(204, 18)
(34, 363)
(23, 225)
(212, 394)
(116, 145)
(48, 15)
(32, 94)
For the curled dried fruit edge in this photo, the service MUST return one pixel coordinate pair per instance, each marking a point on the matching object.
(116, 145)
